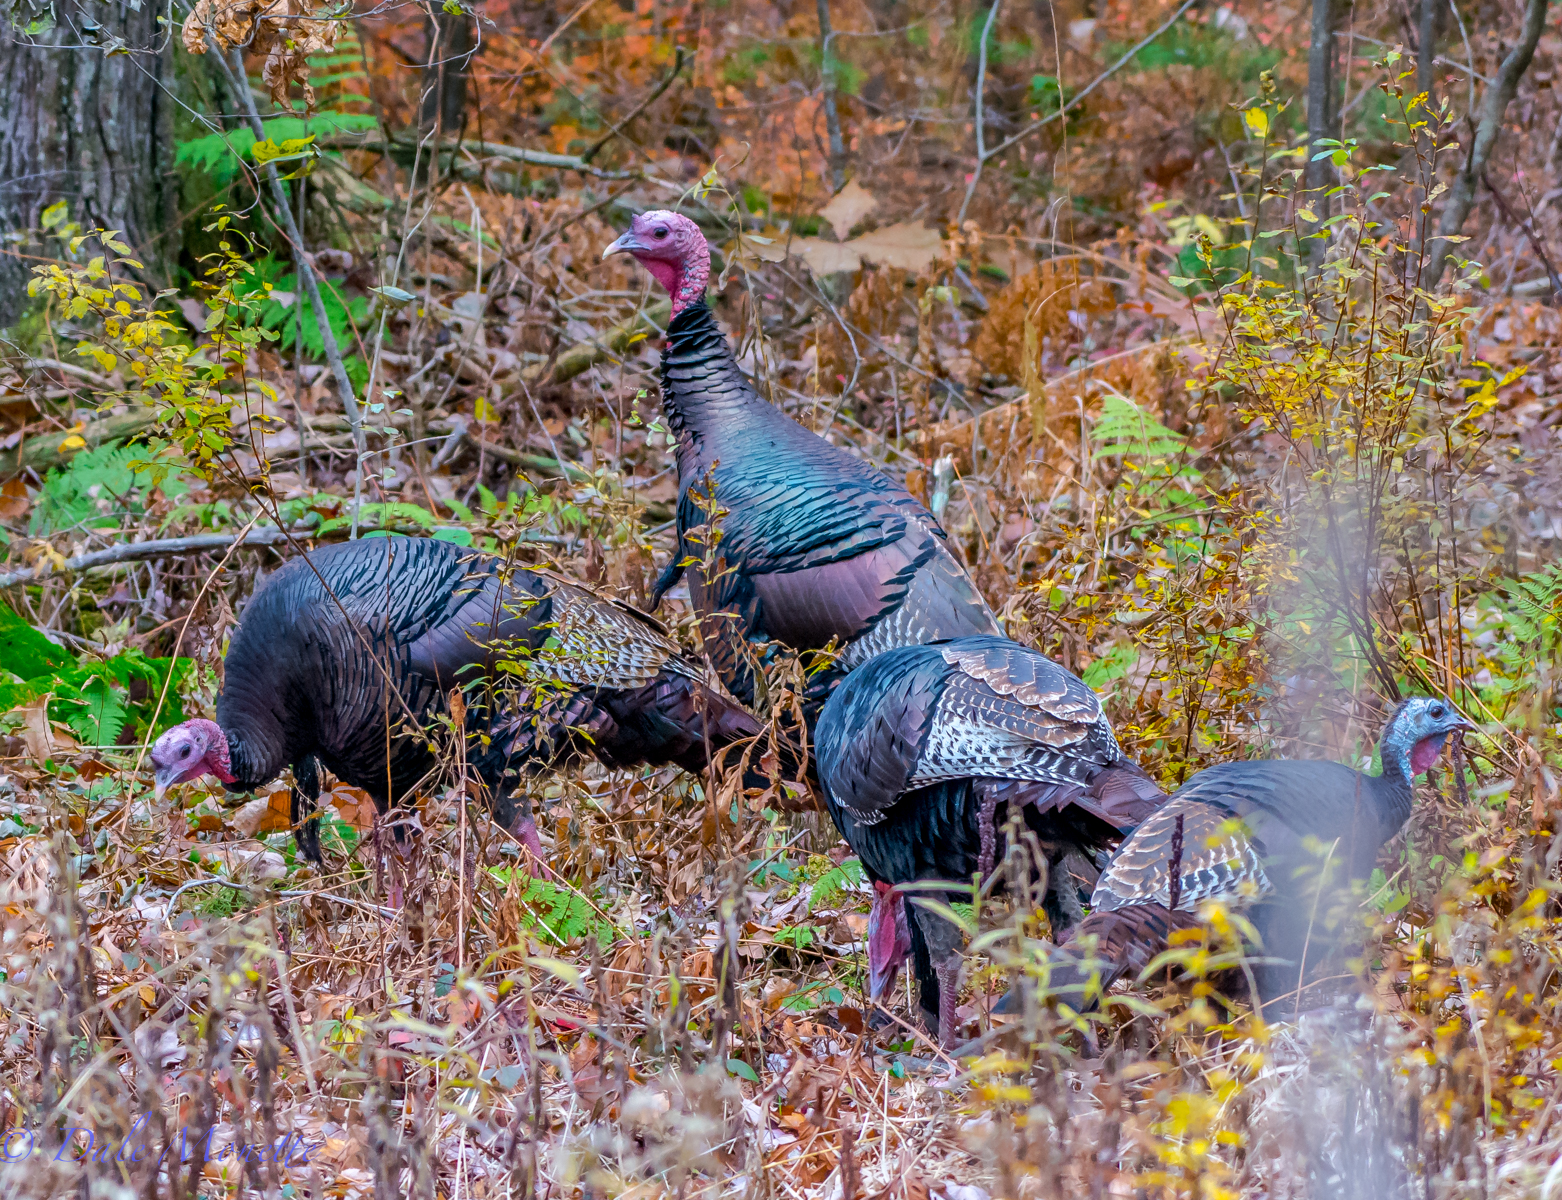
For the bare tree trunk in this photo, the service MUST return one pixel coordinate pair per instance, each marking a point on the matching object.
(832, 117)
(90, 128)
(1426, 44)
(1319, 172)
(1488, 125)
(453, 37)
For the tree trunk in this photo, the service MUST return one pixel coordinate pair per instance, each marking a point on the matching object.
(1426, 45)
(452, 43)
(1488, 127)
(1319, 175)
(832, 116)
(91, 129)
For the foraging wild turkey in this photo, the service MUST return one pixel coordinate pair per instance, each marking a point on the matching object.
(816, 544)
(924, 751)
(344, 651)
(1245, 834)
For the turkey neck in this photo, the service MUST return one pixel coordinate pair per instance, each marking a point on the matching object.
(1393, 788)
(707, 398)
(257, 746)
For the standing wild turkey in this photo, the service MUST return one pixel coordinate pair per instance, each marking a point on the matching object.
(345, 652)
(1274, 837)
(925, 751)
(815, 544)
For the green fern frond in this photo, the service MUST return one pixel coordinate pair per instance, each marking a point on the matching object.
(828, 887)
(1124, 430)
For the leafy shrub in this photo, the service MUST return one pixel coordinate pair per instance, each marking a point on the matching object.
(91, 697)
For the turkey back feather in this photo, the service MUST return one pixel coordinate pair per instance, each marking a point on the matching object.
(1280, 839)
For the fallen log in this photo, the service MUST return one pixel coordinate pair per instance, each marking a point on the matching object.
(45, 450)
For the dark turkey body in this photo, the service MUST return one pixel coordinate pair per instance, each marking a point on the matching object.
(1283, 840)
(346, 656)
(926, 751)
(816, 545)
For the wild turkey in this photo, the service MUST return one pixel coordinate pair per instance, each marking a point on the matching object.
(815, 544)
(356, 642)
(1273, 838)
(924, 751)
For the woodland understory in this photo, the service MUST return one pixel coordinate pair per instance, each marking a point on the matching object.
(1224, 340)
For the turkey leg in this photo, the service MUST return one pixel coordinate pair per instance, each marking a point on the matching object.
(987, 826)
(944, 944)
(948, 997)
(524, 830)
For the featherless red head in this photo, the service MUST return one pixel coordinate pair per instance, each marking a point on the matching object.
(673, 249)
(190, 750)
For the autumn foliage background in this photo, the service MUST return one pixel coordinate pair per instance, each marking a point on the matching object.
(1186, 400)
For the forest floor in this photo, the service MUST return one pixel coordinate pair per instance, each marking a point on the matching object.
(1252, 500)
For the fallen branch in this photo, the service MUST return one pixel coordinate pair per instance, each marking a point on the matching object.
(54, 364)
(582, 356)
(141, 551)
(405, 149)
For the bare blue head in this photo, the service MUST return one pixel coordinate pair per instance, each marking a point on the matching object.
(1415, 734)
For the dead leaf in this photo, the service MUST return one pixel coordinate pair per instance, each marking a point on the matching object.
(37, 734)
(253, 863)
(751, 249)
(93, 768)
(353, 805)
(13, 498)
(271, 813)
(826, 258)
(848, 207)
(911, 247)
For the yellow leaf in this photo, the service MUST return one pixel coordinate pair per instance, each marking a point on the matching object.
(74, 442)
(148, 994)
(565, 972)
(485, 412)
(1257, 121)
(1307, 214)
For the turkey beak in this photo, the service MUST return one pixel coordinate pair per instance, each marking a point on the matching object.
(627, 244)
(165, 778)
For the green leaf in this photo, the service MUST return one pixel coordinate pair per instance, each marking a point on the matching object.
(219, 155)
(736, 1066)
(799, 937)
(98, 715)
(394, 294)
(1126, 430)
